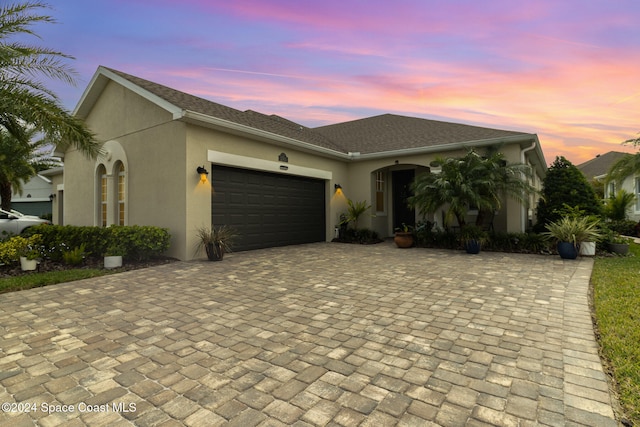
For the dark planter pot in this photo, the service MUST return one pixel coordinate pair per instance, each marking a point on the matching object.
(567, 250)
(619, 248)
(215, 252)
(403, 239)
(472, 246)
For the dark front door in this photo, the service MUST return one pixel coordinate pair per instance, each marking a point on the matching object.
(401, 187)
(268, 209)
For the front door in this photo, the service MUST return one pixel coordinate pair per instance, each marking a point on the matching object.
(401, 187)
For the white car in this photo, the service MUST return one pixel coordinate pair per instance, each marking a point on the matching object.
(15, 222)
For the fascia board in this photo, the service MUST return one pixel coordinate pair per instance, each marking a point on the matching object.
(99, 82)
(449, 147)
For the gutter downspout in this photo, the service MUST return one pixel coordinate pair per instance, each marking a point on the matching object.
(524, 211)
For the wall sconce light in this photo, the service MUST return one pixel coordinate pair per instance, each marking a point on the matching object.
(337, 187)
(52, 197)
(203, 173)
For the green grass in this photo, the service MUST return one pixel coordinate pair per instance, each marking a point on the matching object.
(36, 280)
(616, 300)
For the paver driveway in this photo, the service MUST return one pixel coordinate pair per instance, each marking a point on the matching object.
(320, 334)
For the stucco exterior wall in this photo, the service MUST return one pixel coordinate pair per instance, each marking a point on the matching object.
(202, 141)
(155, 149)
(361, 186)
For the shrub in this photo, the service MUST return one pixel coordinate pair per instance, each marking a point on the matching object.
(12, 249)
(564, 185)
(75, 256)
(138, 242)
(617, 207)
(625, 227)
(359, 235)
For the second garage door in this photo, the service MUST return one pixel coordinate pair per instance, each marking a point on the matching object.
(268, 209)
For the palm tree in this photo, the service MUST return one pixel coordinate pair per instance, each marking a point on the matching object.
(20, 162)
(471, 181)
(24, 98)
(617, 206)
(625, 166)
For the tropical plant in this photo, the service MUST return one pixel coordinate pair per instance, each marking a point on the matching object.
(20, 162)
(470, 233)
(74, 256)
(617, 207)
(218, 239)
(24, 97)
(574, 230)
(564, 185)
(471, 181)
(354, 212)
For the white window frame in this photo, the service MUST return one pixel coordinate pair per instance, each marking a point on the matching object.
(380, 179)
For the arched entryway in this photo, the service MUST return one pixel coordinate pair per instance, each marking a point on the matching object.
(392, 189)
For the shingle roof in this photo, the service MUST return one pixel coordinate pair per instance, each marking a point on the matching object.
(387, 132)
(274, 124)
(390, 132)
(600, 164)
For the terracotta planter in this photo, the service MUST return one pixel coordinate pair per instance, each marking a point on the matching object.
(403, 239)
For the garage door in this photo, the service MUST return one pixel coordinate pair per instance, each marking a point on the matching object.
(268, 209)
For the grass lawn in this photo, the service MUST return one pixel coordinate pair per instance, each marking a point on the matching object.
(616, 300)
(36, 280)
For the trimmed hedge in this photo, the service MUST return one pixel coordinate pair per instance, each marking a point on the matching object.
(497, 241)
(138, 242)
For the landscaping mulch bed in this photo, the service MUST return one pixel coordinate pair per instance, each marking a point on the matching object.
(89, 263)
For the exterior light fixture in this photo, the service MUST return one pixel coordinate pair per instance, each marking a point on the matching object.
(203, 173)
(337, 187)
(52, 197)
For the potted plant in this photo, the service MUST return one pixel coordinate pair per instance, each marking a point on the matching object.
(30, 253)
(618, 244)
(215, 241)
(404, 236)
(571, 232)
(472, 237)
(29, 259)
(113, 255)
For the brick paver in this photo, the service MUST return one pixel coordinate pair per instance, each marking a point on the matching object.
(310, 335)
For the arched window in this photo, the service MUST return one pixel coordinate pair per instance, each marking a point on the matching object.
(103, 196)
(121, 194)
(111, 185)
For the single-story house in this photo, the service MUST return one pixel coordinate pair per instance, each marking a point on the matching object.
(598, 168)
(275, 181)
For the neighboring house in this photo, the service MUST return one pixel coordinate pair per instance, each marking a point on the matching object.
(598, 168)
(35, 198)
(56, 197)
(273, 180)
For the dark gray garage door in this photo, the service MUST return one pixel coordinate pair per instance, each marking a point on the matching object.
(268, 209)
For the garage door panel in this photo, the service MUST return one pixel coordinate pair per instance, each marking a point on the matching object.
(268, 209)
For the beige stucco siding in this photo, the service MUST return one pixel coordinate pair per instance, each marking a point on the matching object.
(203, 140)
(154, 146)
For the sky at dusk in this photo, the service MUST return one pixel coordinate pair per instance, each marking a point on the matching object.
(566, 70)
